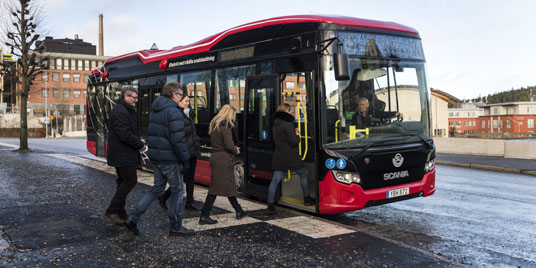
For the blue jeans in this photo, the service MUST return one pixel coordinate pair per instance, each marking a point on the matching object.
(276, 179)
(164, 173)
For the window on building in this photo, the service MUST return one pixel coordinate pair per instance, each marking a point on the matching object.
(495, 110)
(508, 124)
(66, 93)
(55, 93)
(76, 93)
(66, 77)
(457, 114)
(93, 64)
(289, 85)
(76, 109)
(483, 123)
(44, 76)
(73, 64)
(451, 123)
(44, 93)
(302, 85)
(65, 64)
(86, 65)
(495, 123)
(86, 78)
(465, 123)
(451, 114)
(458, 124)
(51, 63)
(530, 123)
(80, 65)
(76, 78)
(55, 77)
(59, 63)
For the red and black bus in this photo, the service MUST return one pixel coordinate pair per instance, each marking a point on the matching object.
(322, 66)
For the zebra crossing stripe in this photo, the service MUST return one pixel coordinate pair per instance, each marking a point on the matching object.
(307, 226)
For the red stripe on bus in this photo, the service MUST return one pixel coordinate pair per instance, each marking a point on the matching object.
(206, 44)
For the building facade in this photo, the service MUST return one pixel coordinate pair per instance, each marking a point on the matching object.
(61, 90)
(500, 120)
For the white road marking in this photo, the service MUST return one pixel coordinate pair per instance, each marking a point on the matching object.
(307, 226)
(9, 145)
(224, 220)
(310, 227)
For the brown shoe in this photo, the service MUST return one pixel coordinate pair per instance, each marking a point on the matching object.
(113, 217)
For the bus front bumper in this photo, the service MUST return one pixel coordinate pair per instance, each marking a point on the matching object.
(336, 197)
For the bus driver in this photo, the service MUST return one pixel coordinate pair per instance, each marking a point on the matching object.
(363, 119)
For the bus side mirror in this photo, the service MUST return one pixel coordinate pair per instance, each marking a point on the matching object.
(340, 65)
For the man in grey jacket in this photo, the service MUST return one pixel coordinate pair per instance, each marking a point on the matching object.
(168, 154)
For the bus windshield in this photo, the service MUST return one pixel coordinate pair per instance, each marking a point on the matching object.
(384, 101)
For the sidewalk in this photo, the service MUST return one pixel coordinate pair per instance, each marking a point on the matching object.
(511, 165)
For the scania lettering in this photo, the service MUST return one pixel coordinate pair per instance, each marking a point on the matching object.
(321, 66)
(395, 175)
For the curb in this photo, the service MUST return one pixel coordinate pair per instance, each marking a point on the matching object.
(491, 168)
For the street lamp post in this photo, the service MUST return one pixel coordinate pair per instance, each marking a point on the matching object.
(46, 107)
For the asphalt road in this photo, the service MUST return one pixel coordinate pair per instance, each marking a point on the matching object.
(51, 208)
(476, 218)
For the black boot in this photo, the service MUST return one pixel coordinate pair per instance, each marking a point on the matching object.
(132, 226)
(271, 209)
(240, 214)
(308, 201)
(207, 220)
(162, 201)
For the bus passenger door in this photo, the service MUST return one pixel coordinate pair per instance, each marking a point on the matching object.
(257, 132)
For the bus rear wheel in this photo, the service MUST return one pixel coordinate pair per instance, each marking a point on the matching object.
(239, 176)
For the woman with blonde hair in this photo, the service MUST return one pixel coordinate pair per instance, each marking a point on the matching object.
(224, 150)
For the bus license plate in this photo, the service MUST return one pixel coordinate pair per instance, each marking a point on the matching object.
(398, 192)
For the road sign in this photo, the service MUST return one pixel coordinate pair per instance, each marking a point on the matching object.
(51, 117)
(46, 121)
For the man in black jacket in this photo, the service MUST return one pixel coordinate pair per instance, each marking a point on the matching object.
(124, 146)
(169, 155)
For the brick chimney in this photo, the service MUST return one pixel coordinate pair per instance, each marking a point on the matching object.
(101, 38)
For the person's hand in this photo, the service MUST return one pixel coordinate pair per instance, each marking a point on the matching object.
(237, 150)
(297, 132)
(399, 117)
(143, 149)
(144, 141)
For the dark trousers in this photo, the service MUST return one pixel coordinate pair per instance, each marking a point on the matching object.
(209, 203)
(189, 180)
(126, 180)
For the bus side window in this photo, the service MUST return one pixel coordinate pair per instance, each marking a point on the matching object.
(197, 85)
(231, 86)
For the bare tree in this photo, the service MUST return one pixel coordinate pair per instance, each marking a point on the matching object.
(21, 31)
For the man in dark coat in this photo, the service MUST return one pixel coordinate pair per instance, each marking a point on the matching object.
(124, 146)
(168, 154)
(286, 156)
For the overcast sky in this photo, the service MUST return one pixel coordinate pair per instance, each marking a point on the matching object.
(472, 47)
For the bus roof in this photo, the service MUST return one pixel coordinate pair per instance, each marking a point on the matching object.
(206, 44)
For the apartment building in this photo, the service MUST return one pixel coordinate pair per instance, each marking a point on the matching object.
(62, 88)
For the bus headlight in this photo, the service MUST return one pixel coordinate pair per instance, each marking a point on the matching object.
(346, 177)
(429, 166)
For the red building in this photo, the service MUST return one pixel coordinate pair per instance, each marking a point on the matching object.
(63, 85)
(502, 120)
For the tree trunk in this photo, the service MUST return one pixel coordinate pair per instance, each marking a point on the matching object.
(24, 115)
